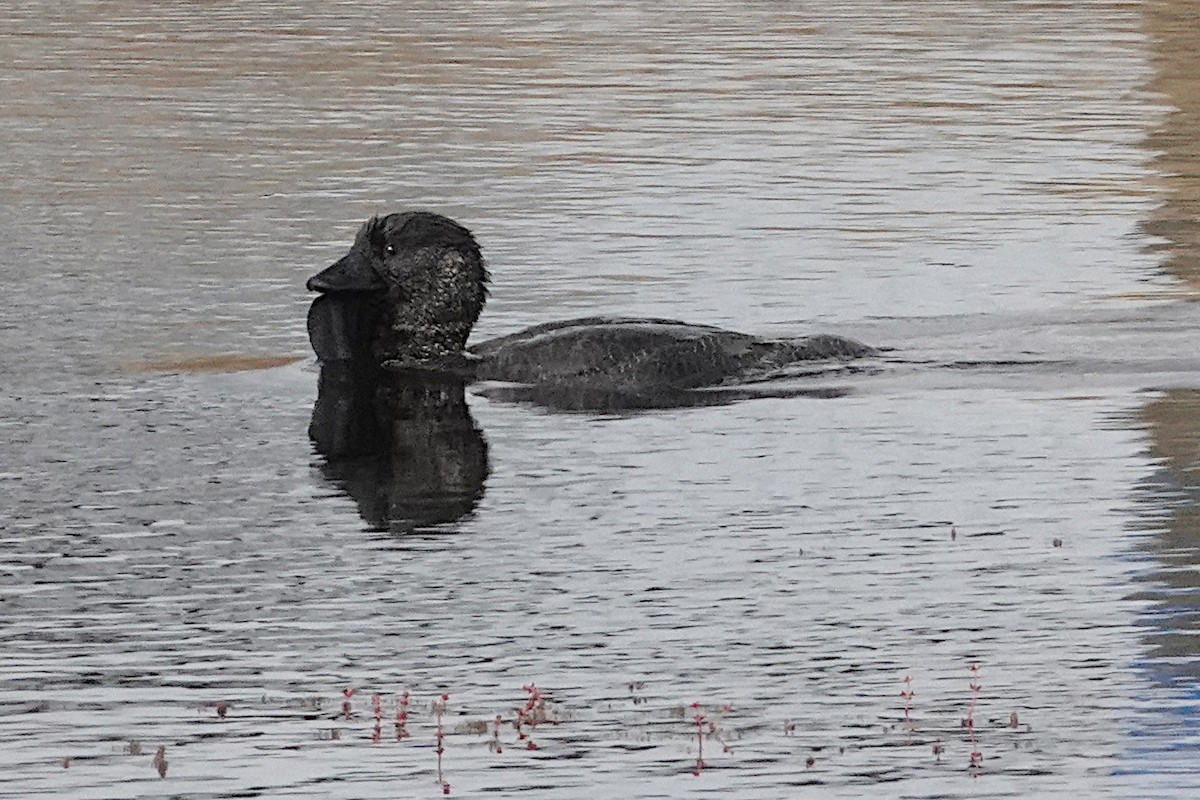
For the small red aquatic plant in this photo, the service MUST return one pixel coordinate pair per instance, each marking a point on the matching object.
(707, 727)
(530, 715)
(402, 716)
(907, 693)
(698, 719)
(439, 710)
(159, 762)
(494, 745)
(969, 722)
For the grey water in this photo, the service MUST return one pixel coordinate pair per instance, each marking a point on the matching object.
(1003, 193)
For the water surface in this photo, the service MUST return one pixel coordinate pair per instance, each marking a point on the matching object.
(1003, 192)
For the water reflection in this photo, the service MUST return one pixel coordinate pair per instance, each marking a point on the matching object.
(1170, 582)
(1171, 25)
(1163, 734)
(402, 444)
(1173, 584)
(1173, 420)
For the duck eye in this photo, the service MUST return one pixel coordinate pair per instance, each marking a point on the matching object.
(390, 250)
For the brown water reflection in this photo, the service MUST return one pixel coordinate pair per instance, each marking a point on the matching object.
(1174, 30)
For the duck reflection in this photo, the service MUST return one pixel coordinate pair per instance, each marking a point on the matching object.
(401, 442)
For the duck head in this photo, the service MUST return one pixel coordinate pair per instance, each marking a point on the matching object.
(406, 294)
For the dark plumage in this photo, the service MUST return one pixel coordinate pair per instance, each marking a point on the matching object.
(413, 284)
(422, 282)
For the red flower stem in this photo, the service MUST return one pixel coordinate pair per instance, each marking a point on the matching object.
(439, 707)
(699, 720)
(976, 756)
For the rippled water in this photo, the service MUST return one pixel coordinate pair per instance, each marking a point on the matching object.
(1003, 192)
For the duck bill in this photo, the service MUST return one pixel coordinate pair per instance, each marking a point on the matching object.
(351, 273)
(340, 327)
